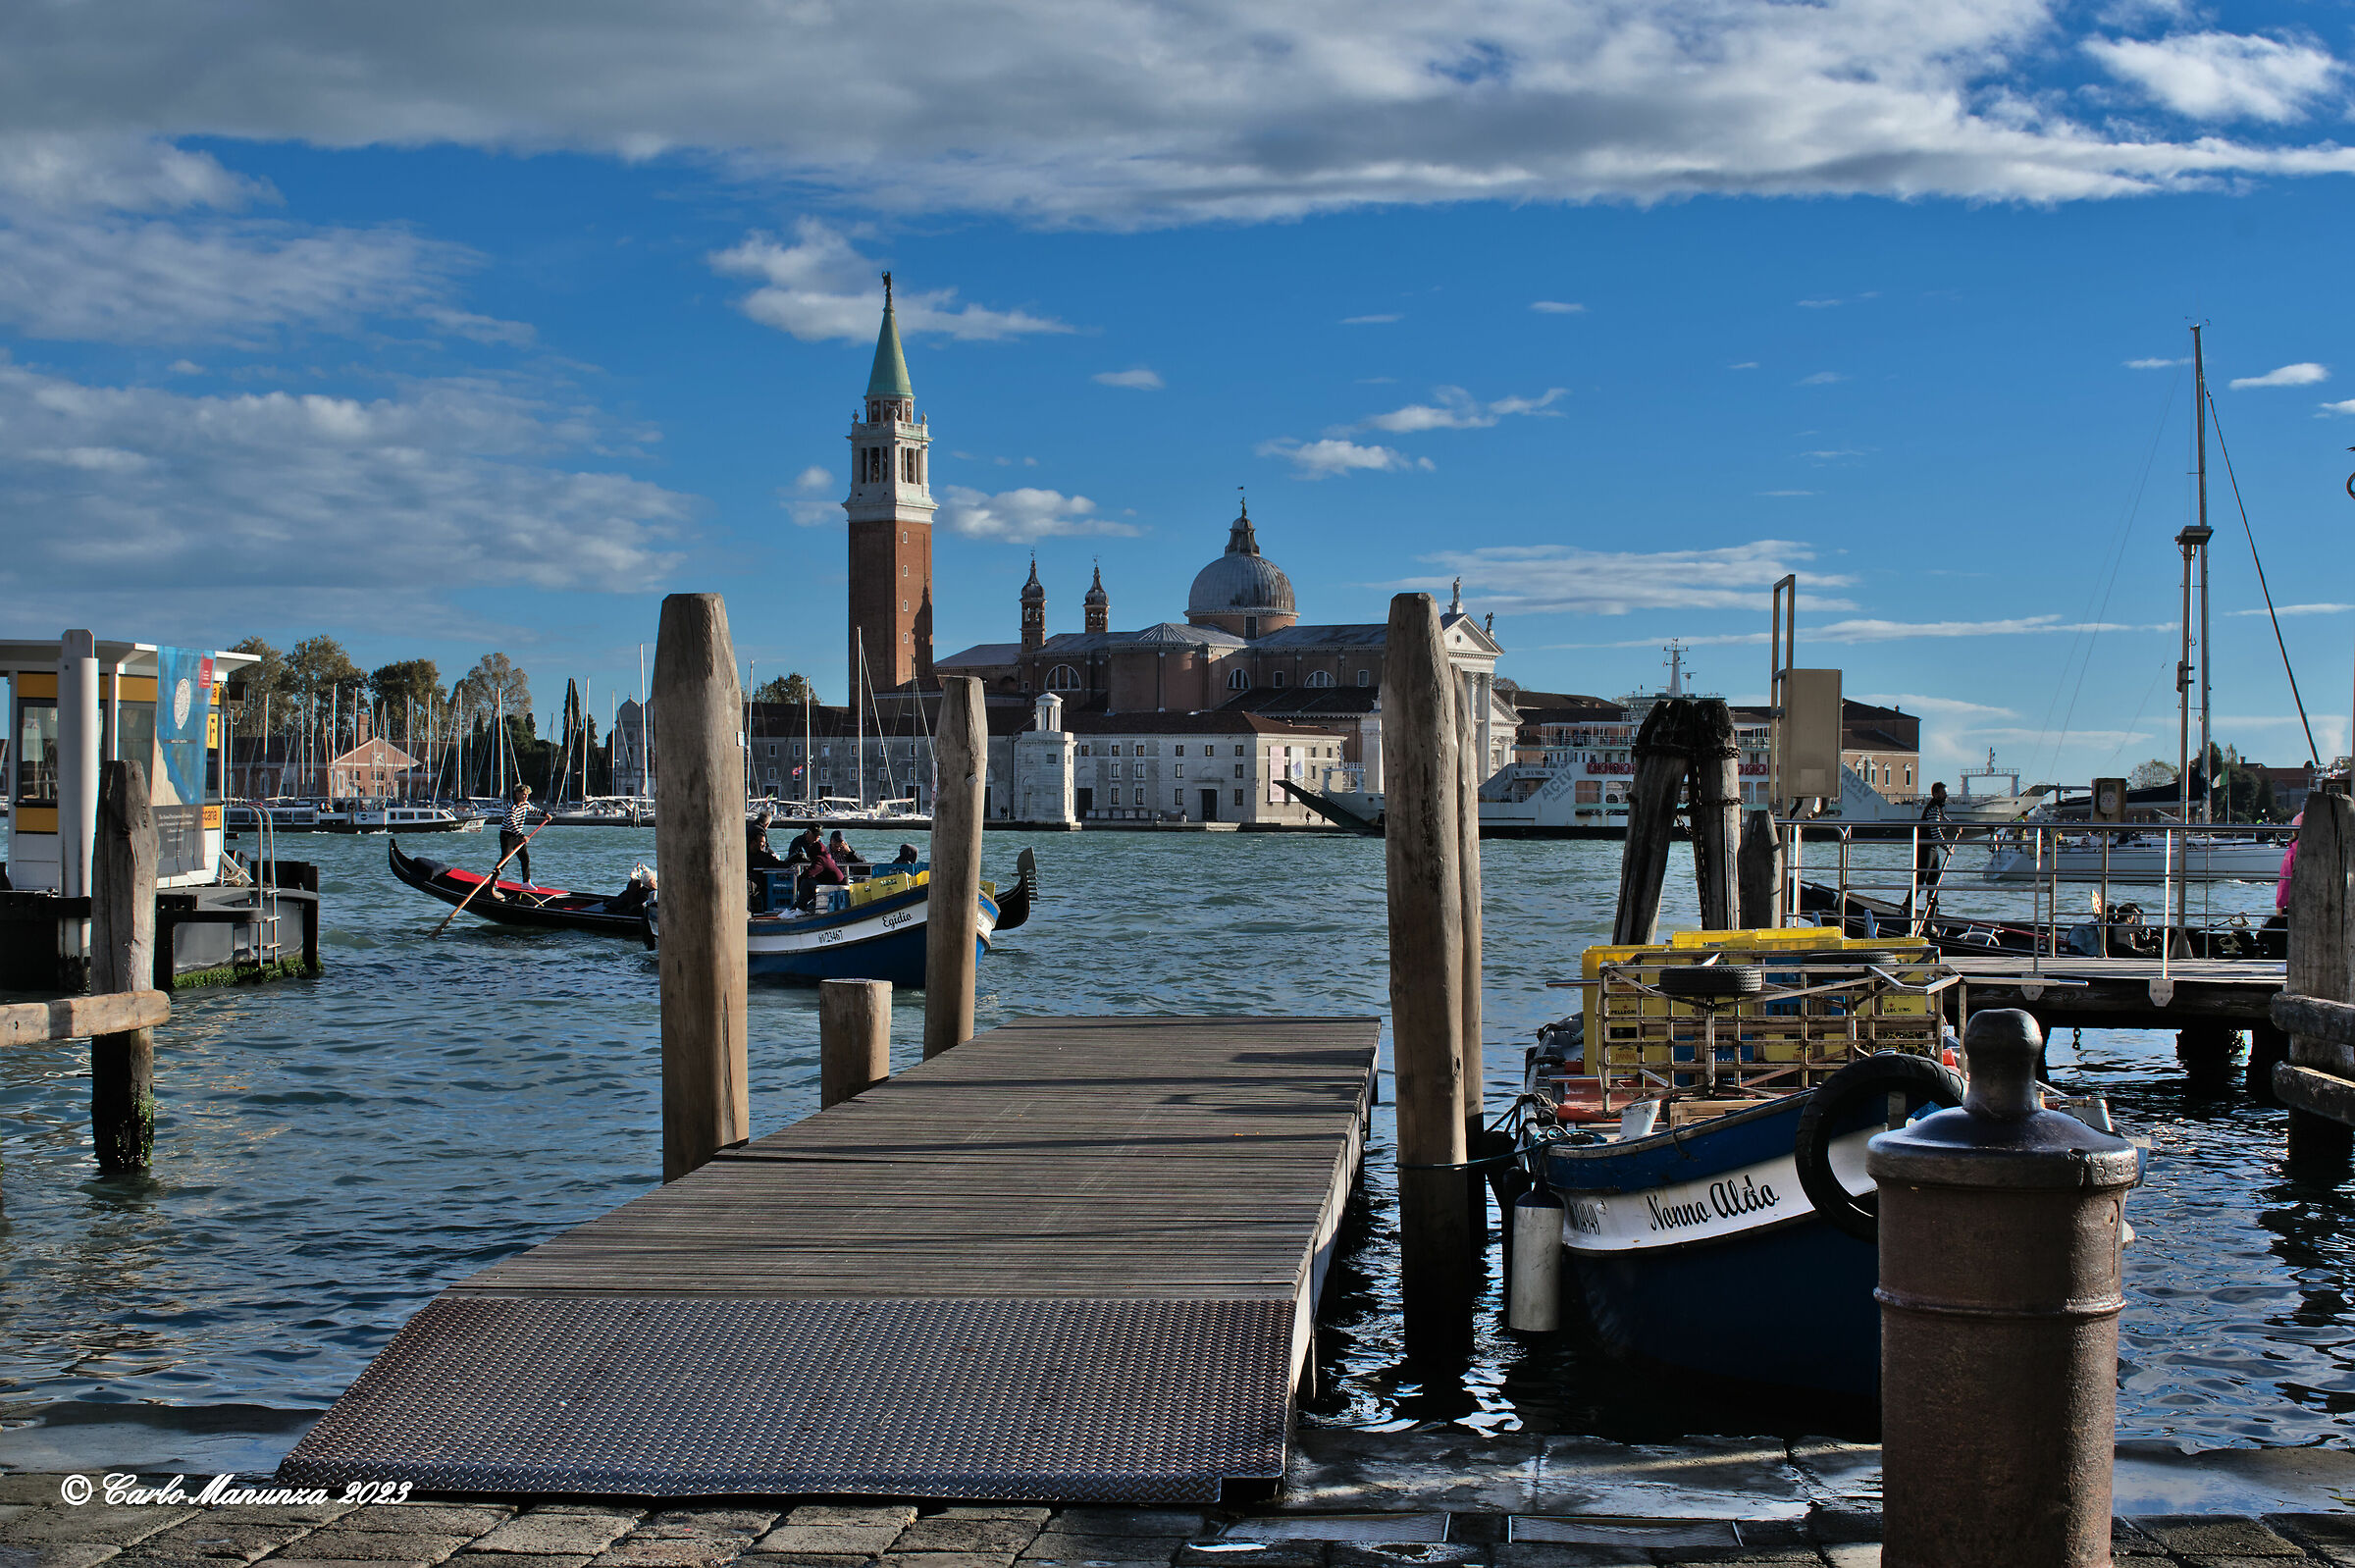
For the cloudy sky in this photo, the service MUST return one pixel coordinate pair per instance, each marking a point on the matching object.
(446, 328)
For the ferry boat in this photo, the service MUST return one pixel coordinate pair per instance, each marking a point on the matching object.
(1703, 1120)
(362, 815)
(2134, 858)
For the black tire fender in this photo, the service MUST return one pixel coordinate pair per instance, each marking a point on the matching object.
(1712, 979)
(1834, 1100)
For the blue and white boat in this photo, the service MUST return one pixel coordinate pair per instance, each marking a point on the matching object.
(872, 929)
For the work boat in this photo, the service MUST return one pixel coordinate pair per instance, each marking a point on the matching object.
(1702, 1121)
(2134, 857)
(870, 929)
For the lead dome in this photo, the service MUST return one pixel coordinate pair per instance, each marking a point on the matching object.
(1242, 583)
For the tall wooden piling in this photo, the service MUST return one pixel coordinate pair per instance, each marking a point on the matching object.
(698, 849)
(952, 908)
(854, 1039)
(122, 959)
(1421, 847)
(1759, 871)
(1717, 812)
(1470, 773)
(2321, 961)
(1663, 753)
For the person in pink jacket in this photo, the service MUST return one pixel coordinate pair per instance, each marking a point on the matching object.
(2289, 860)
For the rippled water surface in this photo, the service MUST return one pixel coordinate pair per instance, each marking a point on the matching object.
(332, 1152)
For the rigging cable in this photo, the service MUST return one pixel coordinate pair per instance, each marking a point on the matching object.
(2271, 612)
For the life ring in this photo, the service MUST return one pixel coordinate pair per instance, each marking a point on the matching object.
(1919, 1079)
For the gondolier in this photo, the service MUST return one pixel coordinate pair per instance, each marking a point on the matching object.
(513, 832)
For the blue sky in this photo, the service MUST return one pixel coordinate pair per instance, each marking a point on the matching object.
(469, 331)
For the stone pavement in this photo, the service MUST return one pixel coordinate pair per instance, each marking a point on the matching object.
(41, 1529)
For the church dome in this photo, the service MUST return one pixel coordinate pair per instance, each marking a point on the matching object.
(1241, 582)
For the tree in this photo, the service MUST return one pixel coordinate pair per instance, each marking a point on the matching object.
(399, 685)
(269, 689)
(494, 686)
(2151, 774)
(786, 690)
(319, 671)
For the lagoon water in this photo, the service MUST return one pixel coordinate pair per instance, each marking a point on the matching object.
(329, 1152)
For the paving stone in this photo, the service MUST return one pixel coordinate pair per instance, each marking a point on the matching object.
(1375, 1527)
(210, 1536)
(556, 1535)
(58, 1554)
(93, 1524)
(685, 1550)
(2321, 1529)
(1863, 1554)
(1405, 1553)
(2202, 1559)
(719, 1519)
(1055, 1548)
(376, 1545)
(988, 1537)
(1035, 1516)
(31, 1485)
(1741, 1557)
(802, 1559)
(270, 1513)
(474, 1559)
(569, 1505)
(1549, 1555)
(1251, 1554)
(898, 1518)
(829, 1541)
(1131, 1521)
(947, 1559)
(352, 1562)
(425, 1519)
(2215, 1535)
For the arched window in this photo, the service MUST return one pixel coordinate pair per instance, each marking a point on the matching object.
(1063, 678)
(1238, 680)
(1319, 677)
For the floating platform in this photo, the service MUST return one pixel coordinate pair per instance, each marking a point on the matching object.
(1074, 1259)
(2125, 993)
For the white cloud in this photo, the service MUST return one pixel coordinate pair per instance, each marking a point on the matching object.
(150, 490)
(820, 287)
(1454, 408)
(1862, 629)
(1817, 304)
(183, 367)
(1745, 364)
(1018, 516)
(1158, 112)
(1539, 578)
(2154, 364)
(2344, 407)
(1322, 459)
(2222, 75)
(2300, 375)
(1786, 492)
(1822, 378)
(1138, 379)
(814, 477)
(1934, 706)
(1369, 321)
(2297, 609)
(1556, 307)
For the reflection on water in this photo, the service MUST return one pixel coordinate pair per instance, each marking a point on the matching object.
(333, 1152)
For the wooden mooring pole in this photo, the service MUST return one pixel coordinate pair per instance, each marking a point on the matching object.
(1663, 753)
(854, 1039)
(698, 849)
(1758, 870)
(1717, 812)
(1421, 847)
(1471, 770)
(122, 958)
(2322, 963)
(953, 906)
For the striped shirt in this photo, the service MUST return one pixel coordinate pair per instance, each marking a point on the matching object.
(519, 816)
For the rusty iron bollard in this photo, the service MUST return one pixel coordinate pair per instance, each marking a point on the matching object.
(2000, 1229)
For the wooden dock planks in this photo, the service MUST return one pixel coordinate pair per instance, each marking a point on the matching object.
(1128, 1218)
(2125, 993)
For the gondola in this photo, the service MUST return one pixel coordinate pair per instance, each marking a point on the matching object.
(546, 908)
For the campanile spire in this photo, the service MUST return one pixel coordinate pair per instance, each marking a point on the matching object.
(890, 509)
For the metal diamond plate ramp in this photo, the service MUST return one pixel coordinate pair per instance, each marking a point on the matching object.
(1013, 1399)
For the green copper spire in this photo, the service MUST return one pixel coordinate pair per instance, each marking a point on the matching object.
(890, 379)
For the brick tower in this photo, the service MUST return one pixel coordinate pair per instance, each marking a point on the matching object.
(1034, 611)
(1099, 604)
(890, 509)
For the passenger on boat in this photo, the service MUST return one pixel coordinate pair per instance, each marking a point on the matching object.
(907, 856)
(822, 872)
(844, 855)
(2289, 862)
(756, 853)
(805, 844)
(631, 900)
(513, 832)
(1929, 857)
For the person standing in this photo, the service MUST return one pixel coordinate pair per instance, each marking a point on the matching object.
(1930, 852)
(513, 832)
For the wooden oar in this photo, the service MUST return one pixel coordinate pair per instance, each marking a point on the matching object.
(490, 880)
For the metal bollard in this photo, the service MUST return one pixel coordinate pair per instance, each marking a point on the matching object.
(2000, 1229)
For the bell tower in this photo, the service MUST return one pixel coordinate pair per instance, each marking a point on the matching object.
(1034, 611)
(890, 508)
(1099, 604)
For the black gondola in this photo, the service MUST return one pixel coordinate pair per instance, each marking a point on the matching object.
(560, 910)
(545, 908)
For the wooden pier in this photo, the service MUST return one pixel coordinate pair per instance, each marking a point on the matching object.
(2125, 993)
(1072, 1259)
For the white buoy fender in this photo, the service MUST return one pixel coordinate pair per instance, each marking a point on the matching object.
(1534, 1302)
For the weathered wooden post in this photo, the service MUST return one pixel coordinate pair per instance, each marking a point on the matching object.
(698, 849)
(2322, 964)
(122, 958)
(952, 905)
(1716, 811)
(2000, 1224)
(854, 1039)
(1663, 751)
(1422, 849)
(1760, 872)
(1471, 771)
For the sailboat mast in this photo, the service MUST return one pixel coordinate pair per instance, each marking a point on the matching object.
(809, 756)
(859, 723)
(2199, 380)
